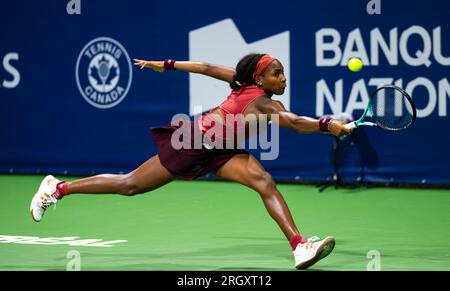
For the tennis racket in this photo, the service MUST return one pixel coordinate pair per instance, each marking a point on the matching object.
(390, 108)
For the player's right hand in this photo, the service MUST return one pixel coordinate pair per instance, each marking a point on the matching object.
(157, 66)
(338, 129)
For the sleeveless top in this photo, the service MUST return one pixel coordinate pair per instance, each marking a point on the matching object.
(232, 111)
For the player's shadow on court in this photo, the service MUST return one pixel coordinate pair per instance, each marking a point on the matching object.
(206, 258)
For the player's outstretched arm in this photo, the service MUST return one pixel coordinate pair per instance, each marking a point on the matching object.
(220, 72)
(301, 124)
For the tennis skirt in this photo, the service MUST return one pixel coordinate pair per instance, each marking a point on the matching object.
(189, 164)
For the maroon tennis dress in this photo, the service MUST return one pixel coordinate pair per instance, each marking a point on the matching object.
(191, 163)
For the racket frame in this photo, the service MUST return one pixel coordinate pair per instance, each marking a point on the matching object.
(368, 110)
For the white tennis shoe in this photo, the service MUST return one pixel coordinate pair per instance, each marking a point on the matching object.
(44, 197)
(310, 252)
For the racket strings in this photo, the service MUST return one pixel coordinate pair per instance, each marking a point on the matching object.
(391, 109)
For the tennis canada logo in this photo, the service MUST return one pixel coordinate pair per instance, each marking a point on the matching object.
(103, 72)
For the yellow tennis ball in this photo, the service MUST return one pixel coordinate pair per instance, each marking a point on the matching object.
(355, 64)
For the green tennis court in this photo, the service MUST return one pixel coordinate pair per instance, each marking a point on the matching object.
(213, 225)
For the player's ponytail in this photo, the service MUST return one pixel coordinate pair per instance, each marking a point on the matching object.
(244, 71)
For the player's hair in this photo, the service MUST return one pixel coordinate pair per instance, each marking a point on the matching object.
(244, 71)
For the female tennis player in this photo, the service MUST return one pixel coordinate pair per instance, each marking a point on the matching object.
(255, 80)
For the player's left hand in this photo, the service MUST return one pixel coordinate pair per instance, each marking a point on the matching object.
(157, 66)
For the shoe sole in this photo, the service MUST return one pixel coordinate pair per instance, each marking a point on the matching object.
(32, 216)
(324, 250)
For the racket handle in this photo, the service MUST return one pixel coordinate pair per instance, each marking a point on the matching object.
(351, 125)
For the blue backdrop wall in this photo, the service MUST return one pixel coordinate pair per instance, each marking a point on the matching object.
(71, 102)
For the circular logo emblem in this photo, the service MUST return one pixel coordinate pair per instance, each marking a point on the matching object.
(103, 72)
